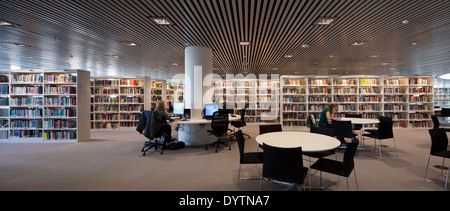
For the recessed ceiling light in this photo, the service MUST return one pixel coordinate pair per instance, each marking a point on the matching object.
(405, 21)
(16, 44)
(385, 63)
(161, 20)
(5, 23)
(325, 21)
(304, 45)
(129, 43)
(288, 56)
(244, 43)
(112, 56)
(358, 43)
(374, 56)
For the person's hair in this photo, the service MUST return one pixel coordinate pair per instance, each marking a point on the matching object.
(331, 107)
(160, 105)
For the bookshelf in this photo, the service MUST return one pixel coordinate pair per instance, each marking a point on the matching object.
(117, 102)
(47, 106)
(4, 106)
(158, 91)
(441, 91)
(408, 100)
(174, 92)
(260, 98)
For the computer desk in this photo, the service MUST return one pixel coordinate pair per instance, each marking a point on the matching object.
(194, 132)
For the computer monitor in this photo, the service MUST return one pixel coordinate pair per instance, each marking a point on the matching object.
(178, 108)
(210, 109)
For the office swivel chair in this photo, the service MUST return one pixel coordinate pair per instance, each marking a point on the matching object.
(240, 123)
(150, 125)
(219, 127)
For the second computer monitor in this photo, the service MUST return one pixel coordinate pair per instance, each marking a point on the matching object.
(178, 108)
(210, 109)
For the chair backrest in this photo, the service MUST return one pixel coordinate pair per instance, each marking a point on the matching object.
(385, 129)
(353, 115)
(242, 115)
(269, 128)
(323, 131)
(385, 118)
(241, 143)
(150, 124)
(349, 155)
(435, 121)
(284, 164)
(445, 112)
(219, 123)
(342, 128)
(311, 121)
(439, 140)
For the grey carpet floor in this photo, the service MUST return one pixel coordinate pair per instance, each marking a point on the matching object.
(112, 160)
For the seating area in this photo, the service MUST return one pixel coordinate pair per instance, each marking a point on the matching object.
(117, 155)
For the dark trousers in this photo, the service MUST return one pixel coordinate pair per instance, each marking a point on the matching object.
(167, 129)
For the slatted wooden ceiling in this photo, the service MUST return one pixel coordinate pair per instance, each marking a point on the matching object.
(87, 34)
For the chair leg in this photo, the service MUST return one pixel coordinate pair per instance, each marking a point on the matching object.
(379, 148)
(446, 178)
(395, 148)
(356, 180)
(426, 170)
(239, 176)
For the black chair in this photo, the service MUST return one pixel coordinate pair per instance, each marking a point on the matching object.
(339, 168)
(269, 128)
(381, 119)
(219, 128)
(439, 144)
(437, 124)
(246, 157)
(356, 126)
(284, 165)
(342, 130)
(240, 123)
(445, 112)
(149, 125)
(384, 131)
(323, 131)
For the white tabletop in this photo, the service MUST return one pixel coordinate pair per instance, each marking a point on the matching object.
(206, 121)
(310, 142)
(361, 121)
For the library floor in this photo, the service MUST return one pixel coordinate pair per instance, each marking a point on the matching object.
(112, 161)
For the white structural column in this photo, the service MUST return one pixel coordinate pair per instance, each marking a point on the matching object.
(198, 64)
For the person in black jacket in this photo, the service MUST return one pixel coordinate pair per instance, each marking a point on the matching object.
(161, 109)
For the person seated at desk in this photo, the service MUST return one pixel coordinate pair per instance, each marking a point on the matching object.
(161, 109)
(327, 115)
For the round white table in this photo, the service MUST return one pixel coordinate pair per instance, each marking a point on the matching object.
(361, 121)
(194, 132)
(310, 142)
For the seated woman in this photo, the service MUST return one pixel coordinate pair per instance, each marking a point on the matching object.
(327, 115)
(161, 109)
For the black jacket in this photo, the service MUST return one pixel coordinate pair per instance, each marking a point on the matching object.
(150, 123)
